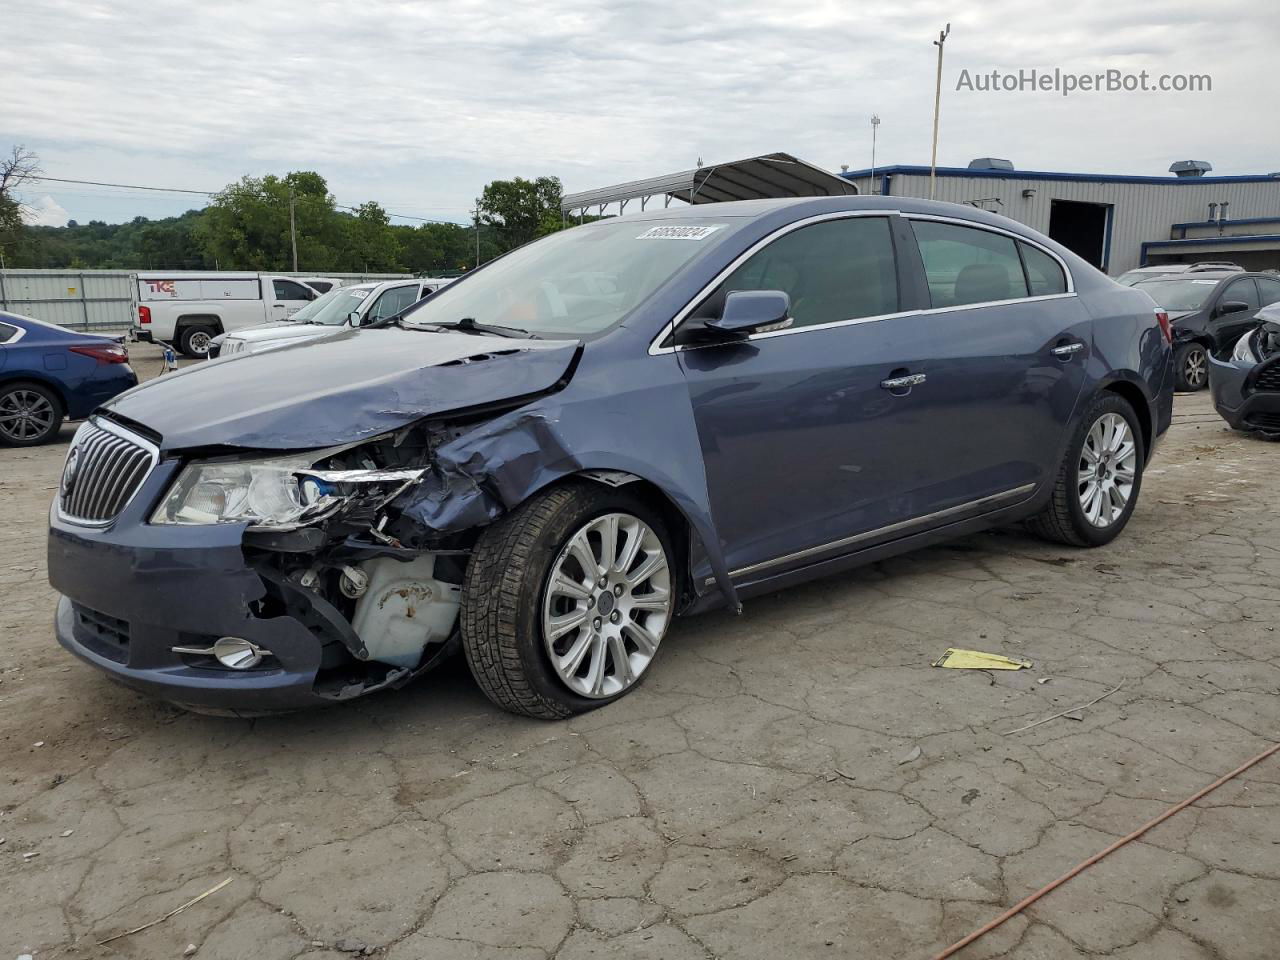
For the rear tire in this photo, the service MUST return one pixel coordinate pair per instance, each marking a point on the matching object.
(194, 341)
(509, 607)
(1191, 367)
(30, 414)
(1103, 465)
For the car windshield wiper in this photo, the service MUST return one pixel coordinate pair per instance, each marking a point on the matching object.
(469, 325)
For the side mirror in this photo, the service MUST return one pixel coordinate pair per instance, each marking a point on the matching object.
(353, 318)
(752, 311)
(1231, 306)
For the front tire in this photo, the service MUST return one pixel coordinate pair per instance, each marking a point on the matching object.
(567, 600)
(29, 414)
(194, 341)
(1191, 367)
(1100, 478)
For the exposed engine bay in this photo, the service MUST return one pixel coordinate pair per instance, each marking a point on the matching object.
(380, 593)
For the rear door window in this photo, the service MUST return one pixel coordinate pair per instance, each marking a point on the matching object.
(1268, 290)
(967, 265)
(832, 271)
(1044, 274)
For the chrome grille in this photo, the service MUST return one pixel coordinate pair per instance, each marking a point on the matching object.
(105, 467)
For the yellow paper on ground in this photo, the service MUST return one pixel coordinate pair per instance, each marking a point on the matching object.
(957, 659)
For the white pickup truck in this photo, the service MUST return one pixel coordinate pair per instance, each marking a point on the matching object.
(189, 309)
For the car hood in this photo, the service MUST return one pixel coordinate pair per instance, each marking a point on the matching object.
(1176, 315)
(281, 330)
(341, 389)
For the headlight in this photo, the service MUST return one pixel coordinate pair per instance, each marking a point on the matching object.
(265, 493)
(1244, 352)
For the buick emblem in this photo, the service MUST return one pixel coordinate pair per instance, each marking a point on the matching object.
(69, 471)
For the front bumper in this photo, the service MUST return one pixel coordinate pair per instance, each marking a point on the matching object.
(1254, 410)
(131, 592)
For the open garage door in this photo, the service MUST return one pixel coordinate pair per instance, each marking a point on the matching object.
(1081, 228)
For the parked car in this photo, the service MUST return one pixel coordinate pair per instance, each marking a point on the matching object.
(49, 374)
(188, 310)
(545, 471)
(1210, 311)
(357, 305)
(1138, 274)
(320, 284)
(1246, 385)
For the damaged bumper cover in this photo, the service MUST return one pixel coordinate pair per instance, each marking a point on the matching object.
(132, 592)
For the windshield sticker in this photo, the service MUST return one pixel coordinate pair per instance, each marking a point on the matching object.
(679, 233)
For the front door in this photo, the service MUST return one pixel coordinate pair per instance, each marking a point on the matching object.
(1227, 328)
(807, 440)
(287, 298)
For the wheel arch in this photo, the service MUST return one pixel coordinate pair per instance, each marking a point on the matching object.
(680, 527)
(197, 320)
(1136, 397)
(26, 376)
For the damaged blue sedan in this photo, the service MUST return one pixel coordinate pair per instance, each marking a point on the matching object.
(548, 461)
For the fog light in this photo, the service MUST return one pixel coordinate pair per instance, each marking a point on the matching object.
(234, 653)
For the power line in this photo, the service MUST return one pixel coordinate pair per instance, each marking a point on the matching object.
(213, 193)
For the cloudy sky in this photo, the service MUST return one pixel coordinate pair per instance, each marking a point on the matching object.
(417, 105)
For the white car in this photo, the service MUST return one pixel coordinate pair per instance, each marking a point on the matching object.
(189, 308)
(355, 306)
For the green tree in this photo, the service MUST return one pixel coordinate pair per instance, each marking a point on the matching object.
(246, 226)
(517, 211)
(370, 244)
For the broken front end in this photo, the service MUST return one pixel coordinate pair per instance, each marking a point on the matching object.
(261, 582)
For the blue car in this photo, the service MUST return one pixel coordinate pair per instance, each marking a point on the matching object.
(552, 458)
(49, 374)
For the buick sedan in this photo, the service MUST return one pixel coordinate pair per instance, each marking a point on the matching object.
(549, 461)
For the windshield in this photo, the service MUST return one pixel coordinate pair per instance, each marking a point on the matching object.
(333, 307)
(576, 282)
(1181, 294)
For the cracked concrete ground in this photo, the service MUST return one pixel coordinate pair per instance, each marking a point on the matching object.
(748, 801)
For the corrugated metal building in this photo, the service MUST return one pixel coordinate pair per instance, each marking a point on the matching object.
(1114, 222)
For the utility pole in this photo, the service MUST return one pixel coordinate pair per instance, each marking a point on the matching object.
(937, 106)
(477, 231)
(293, 232)
(875, 122)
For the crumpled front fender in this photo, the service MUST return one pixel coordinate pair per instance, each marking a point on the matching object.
(493, 468)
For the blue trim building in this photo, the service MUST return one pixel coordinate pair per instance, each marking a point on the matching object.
(1115, 221)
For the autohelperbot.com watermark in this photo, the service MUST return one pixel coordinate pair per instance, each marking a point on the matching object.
(1067, 82)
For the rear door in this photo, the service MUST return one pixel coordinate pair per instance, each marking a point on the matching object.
(287, 297)
(1008, 344)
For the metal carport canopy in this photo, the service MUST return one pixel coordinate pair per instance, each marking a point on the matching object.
(771, 176)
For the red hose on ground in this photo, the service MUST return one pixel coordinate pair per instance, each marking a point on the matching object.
(1026, 902)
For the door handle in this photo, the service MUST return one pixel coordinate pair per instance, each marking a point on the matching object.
(901, 383)
(1065, 351)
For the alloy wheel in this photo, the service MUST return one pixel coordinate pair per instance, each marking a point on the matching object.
(199, 342)
(25, 415)
(1195, 368)
(607, 605)
(1107, 469)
